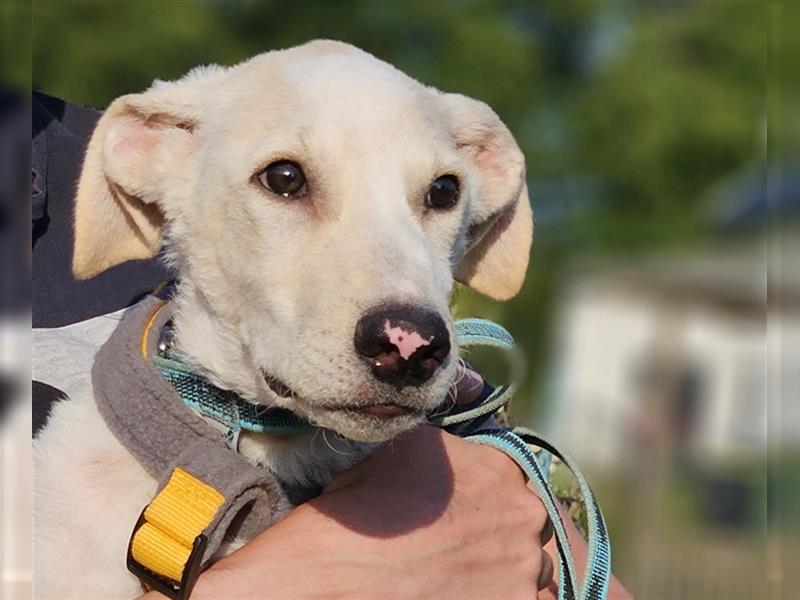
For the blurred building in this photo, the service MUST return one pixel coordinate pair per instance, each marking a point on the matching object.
(682, 338)
(672, 350)
(676, 377)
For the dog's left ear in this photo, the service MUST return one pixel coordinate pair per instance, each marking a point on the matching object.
(140, 147)
(501, 227)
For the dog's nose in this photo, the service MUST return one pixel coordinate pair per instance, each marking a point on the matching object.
(404, 345)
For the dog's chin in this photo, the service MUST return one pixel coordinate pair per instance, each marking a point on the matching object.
(376, 423)
(384, 417)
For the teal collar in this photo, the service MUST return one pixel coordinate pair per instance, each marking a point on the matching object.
(225, 406)
(229, 409)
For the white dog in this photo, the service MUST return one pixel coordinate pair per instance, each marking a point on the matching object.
(310, 199)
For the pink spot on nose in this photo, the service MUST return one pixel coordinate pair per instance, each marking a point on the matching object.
(406, 342)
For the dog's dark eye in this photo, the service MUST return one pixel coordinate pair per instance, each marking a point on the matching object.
(283, 177)
(443, 192)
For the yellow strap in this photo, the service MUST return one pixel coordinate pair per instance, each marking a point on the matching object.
(175, 517)
(158, 552)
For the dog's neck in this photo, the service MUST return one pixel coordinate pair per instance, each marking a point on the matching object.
(211, 345)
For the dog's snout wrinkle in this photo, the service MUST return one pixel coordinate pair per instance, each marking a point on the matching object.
(404, 345)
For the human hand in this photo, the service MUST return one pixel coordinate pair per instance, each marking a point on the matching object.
(443, 517)
(426, 515)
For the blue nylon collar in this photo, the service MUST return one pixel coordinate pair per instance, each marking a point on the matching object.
(229, 409)
(225, 406)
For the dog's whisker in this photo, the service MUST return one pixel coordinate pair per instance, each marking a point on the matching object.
(327, 443)
(443, 409)
(452, 392)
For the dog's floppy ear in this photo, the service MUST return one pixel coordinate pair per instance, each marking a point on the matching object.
(141, 145)
(501, 226)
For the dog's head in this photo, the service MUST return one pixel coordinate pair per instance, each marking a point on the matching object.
(317, 204)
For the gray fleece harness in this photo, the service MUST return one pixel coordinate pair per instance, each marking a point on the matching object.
(149, 418)
(208, 493)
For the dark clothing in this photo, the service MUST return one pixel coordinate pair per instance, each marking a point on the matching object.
(15, 185)
(61, 133)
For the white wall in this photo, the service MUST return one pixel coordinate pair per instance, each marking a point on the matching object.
(601, 337)
(608, 332)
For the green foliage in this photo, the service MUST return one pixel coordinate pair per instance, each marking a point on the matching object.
(567, 490)
(15, 43)
(681, 110)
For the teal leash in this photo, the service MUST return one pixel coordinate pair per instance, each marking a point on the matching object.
(515, 444)
(518, 450)
(477, 332)
(597, 572)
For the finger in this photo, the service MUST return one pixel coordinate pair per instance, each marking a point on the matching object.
(546, 574)
(547, 531)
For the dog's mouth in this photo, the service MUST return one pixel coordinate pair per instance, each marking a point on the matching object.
(382, 411)
(379, 411)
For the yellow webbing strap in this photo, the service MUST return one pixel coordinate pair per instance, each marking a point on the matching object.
(175, 517)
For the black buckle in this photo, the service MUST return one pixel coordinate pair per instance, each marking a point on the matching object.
(170, 588)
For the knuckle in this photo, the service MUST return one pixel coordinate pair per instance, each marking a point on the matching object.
(499, 463)
(529, 570)
(526, 552)
(537, 512)
(530, 512)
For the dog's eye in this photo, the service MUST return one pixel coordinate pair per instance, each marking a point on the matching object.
(283, 177)
(443, 192)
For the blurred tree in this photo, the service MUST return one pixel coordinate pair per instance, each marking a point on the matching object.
(682, 106)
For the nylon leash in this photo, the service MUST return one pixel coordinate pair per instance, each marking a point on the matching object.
(515, 444)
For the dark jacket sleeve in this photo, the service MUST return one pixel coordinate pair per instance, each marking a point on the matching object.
(61, 133)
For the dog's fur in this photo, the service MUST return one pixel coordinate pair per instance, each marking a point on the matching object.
(271, 285)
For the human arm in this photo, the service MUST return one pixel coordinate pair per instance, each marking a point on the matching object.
(429, 515)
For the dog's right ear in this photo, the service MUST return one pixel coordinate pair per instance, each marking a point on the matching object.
(501, 227)
(142, 145)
